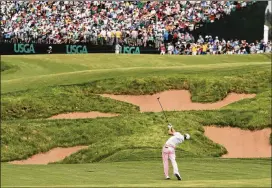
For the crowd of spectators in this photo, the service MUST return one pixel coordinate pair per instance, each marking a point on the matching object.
(165, 25)
(213, 46)
(107, 22)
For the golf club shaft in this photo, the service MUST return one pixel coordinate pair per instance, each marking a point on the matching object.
(163, 111)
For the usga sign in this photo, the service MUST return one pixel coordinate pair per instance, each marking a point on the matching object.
(76, 49)
(24, 48)
(130, 50)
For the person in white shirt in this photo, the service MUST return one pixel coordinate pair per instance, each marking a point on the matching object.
(168, 151)
(109, 39)
(170, 49)
(118, 48)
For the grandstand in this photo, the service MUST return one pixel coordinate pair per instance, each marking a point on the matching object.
(157, 24)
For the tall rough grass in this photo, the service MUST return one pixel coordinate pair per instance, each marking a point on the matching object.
(43, 103)
(105, 136)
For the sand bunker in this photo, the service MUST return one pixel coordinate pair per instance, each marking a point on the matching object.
(54, 155)
(175, 100)
(241, 143)
(82, 115)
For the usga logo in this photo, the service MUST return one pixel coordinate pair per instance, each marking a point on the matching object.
(130, 50)
(24, 48)
(76, 49)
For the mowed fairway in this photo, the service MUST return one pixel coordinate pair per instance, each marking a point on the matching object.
(38, 71)
(196, 172)
(125, 151)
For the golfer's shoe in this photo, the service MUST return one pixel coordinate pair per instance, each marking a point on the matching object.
(167, 178)
(178, 176)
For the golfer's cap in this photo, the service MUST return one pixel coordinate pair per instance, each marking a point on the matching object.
(187, 136)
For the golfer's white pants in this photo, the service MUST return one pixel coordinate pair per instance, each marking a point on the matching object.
(169, 153)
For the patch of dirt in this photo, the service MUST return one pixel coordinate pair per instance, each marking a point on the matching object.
(175, 100)
(241, 143)
(82, 115)
(54, 155)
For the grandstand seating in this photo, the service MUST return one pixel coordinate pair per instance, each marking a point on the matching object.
(138, 23)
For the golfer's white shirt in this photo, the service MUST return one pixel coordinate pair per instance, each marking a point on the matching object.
(176, 139)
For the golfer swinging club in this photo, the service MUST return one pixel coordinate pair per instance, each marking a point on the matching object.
(168, 151)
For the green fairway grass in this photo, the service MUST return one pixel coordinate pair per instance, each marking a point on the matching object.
(125, 151)
(196, 172)
(42, 70)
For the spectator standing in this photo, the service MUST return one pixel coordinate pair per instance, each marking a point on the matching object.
(170, 49)
(118, 48)
(163, 49)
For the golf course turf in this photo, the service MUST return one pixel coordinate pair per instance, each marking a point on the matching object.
(125, 151)
(197, 172)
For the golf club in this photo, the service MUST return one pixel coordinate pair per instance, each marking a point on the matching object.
(163, 110)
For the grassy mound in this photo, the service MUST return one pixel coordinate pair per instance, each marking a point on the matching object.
(45, 102)
(21, 139)
(110, 139)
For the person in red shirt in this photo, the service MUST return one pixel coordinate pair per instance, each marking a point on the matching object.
(163, 49)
